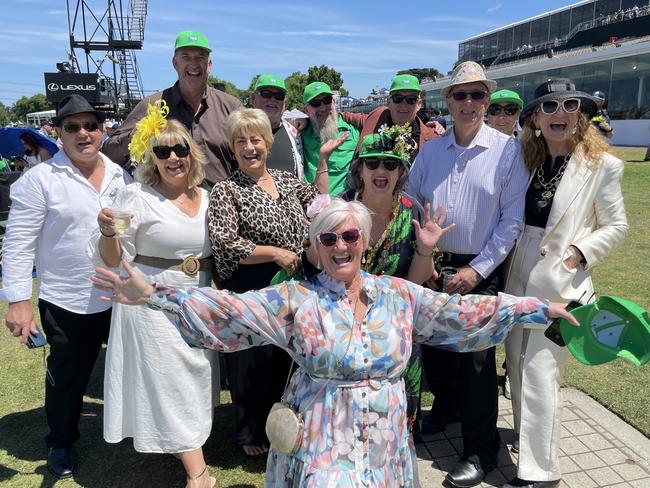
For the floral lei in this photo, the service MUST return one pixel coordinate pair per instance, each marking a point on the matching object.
(150, 125)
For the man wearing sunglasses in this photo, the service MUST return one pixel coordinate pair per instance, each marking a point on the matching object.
(203, 110)
(478, 175)
(404, 102)
(269, 95)
(503, 112)
(54, 211)
(326, 124)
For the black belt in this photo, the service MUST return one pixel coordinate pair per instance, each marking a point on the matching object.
(450, 257)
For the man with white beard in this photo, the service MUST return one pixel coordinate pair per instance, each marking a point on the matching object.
(326, 124)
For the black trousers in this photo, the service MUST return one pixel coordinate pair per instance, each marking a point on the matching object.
(75, 340)
(257, 377)
(465, 384)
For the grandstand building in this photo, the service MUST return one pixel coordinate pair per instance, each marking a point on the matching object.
(599, 44)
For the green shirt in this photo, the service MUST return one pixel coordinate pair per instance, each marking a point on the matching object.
(339, 162)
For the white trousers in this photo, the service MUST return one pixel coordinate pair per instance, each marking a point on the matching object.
(535, 367)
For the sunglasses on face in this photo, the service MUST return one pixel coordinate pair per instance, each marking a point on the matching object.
(163, 152)
(350, 236)
(459, 96)
(410, 99)
(373, 163)
(569, 105)
(73, 128)
(278, 95)
(509, 109)
(317, 103)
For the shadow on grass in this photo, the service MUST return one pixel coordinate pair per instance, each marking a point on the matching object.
(103, 465)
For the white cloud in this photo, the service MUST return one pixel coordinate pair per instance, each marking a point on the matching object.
(460, 20)
(322, 33)
(494, 8)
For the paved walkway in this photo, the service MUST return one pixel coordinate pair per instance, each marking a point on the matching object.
(597, 449)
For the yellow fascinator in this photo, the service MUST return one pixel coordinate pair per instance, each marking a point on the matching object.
(150, 125)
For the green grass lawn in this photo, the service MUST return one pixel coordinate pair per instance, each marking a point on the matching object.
(619, 386)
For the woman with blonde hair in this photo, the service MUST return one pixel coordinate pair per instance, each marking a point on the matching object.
(574, 216)
(158, 390)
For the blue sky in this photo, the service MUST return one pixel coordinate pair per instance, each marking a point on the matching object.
(366, 41)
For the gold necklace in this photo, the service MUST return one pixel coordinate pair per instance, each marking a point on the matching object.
(549, 186)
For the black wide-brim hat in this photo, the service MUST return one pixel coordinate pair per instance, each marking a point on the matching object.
(559, 89)
(73, 105)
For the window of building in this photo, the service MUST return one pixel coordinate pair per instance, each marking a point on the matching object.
(539, 31)
(581, 14)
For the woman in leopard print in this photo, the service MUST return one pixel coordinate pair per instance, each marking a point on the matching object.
(256, 220)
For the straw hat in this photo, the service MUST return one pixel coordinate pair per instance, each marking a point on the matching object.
(469, 72)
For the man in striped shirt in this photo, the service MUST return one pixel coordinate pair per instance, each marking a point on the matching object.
(478, 175)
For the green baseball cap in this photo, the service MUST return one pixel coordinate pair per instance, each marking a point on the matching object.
(506, 96)
(314, 89)
(192, 39)
(405, 82)
(377, 146)
(270, 81)
(610, 328)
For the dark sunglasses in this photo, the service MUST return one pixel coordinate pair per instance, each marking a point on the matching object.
(317, 103)
(73, 128)
(278, 95)
(350, 236)
(410, 99)
(163, 152)
(373, 163)
(459, 96)
(509, 109)
(569, 105)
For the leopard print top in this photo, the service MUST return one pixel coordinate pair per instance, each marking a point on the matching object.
(242, 215)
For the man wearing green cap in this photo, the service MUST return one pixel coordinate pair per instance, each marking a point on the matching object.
(269, 95)
(201, 108)
(325, 125)
(403, 104)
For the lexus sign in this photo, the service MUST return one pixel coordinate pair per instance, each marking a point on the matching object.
(60, 85)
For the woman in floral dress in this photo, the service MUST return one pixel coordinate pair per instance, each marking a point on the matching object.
(350, 333)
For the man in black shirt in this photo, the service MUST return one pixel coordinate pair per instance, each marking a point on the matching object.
(286, 154)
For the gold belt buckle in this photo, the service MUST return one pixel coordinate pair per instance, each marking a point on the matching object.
(191, 265)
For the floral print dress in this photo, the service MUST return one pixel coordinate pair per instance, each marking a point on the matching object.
(348, 385)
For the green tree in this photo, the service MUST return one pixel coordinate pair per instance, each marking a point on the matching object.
(329, 75)
(25, 105)
(295, 83)
(230, 88)
(421, 73)
(5, 115)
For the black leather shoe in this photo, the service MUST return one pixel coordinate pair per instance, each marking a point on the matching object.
(466, 473)
(519, 483)
(60, 462)
(515, 446)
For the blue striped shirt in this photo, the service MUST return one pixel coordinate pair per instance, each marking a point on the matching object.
(483, 186)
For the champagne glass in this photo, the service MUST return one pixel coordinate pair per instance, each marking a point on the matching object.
(122, 220)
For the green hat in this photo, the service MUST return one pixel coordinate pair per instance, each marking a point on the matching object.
(405, 82)
(610, 328)
(505, 96)
(314, 89)
(192, 39)
(271, 81)
(377, 146)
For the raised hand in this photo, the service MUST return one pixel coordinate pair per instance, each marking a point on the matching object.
(131, 289)
(330, 146)
(428, 235)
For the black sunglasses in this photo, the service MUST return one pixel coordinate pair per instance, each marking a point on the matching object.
(317, 103)
(278, 95)
(389, 163)
(459, 96)
(163, 152)
(570, 106)
(350, 236)
(509, 109)
(73, 128)
(410, 99)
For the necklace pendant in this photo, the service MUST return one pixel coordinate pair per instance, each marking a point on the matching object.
(547, 194)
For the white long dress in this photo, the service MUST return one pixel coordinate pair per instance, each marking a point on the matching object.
(157, 389)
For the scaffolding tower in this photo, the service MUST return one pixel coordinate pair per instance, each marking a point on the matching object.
(104, 37)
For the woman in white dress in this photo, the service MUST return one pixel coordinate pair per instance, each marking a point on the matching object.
(158, 390)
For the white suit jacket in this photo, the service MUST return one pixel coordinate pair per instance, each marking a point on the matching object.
(587, 212)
